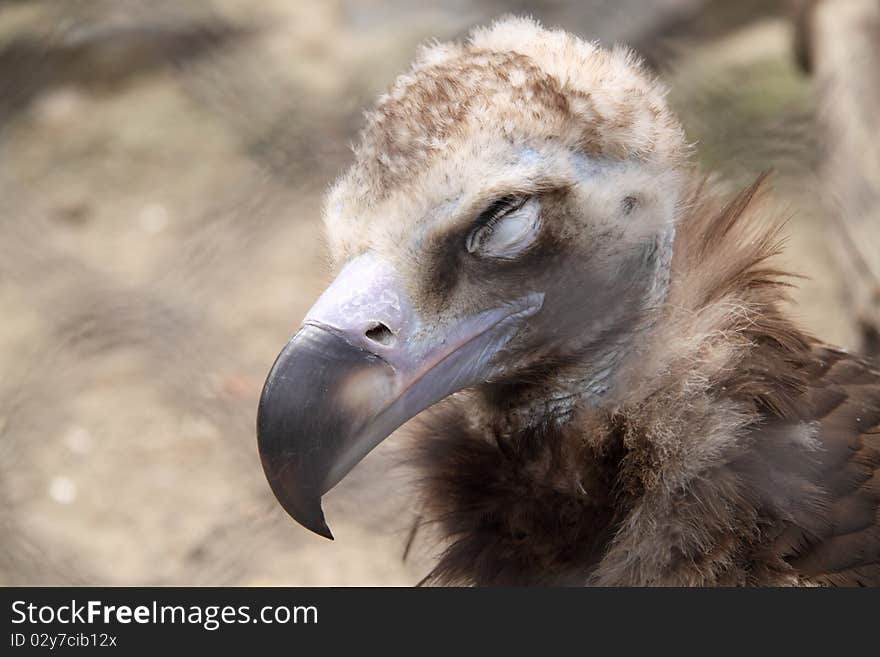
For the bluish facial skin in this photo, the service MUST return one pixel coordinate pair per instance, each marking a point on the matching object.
(370, 355)
(364, 354)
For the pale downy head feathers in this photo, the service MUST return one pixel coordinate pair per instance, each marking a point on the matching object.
(457, 122)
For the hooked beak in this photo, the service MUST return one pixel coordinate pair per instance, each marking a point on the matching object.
(363, 363)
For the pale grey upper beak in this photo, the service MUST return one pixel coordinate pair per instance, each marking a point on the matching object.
(361, 365)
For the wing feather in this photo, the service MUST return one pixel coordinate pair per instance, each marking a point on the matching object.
(844, 398)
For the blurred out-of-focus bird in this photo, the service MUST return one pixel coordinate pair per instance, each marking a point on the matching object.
(624, 401)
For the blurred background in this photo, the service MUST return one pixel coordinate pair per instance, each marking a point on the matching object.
(161, 170)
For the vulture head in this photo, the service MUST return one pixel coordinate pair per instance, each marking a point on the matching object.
(506, 227)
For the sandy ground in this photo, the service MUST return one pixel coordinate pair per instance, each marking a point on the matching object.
(160, 241)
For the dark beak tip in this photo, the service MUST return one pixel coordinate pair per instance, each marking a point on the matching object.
(302, 503)
(313, 521)
(325, 532)
(307, 513)
(303, 429)
(318, 527)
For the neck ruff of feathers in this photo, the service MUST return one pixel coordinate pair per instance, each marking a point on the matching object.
(698, 465)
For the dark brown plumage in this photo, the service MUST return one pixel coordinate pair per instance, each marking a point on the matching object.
(623, 398)
(774, 502)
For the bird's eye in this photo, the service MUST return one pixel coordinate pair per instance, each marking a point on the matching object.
(506, 228)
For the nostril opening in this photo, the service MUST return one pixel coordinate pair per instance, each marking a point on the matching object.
(380, 333)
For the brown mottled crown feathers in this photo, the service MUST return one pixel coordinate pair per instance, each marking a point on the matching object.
(735, 451)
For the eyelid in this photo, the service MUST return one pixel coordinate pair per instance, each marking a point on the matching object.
(483, 233)
(489, 217)
(501, 207)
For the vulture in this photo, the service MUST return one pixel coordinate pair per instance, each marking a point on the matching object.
(613, 392)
